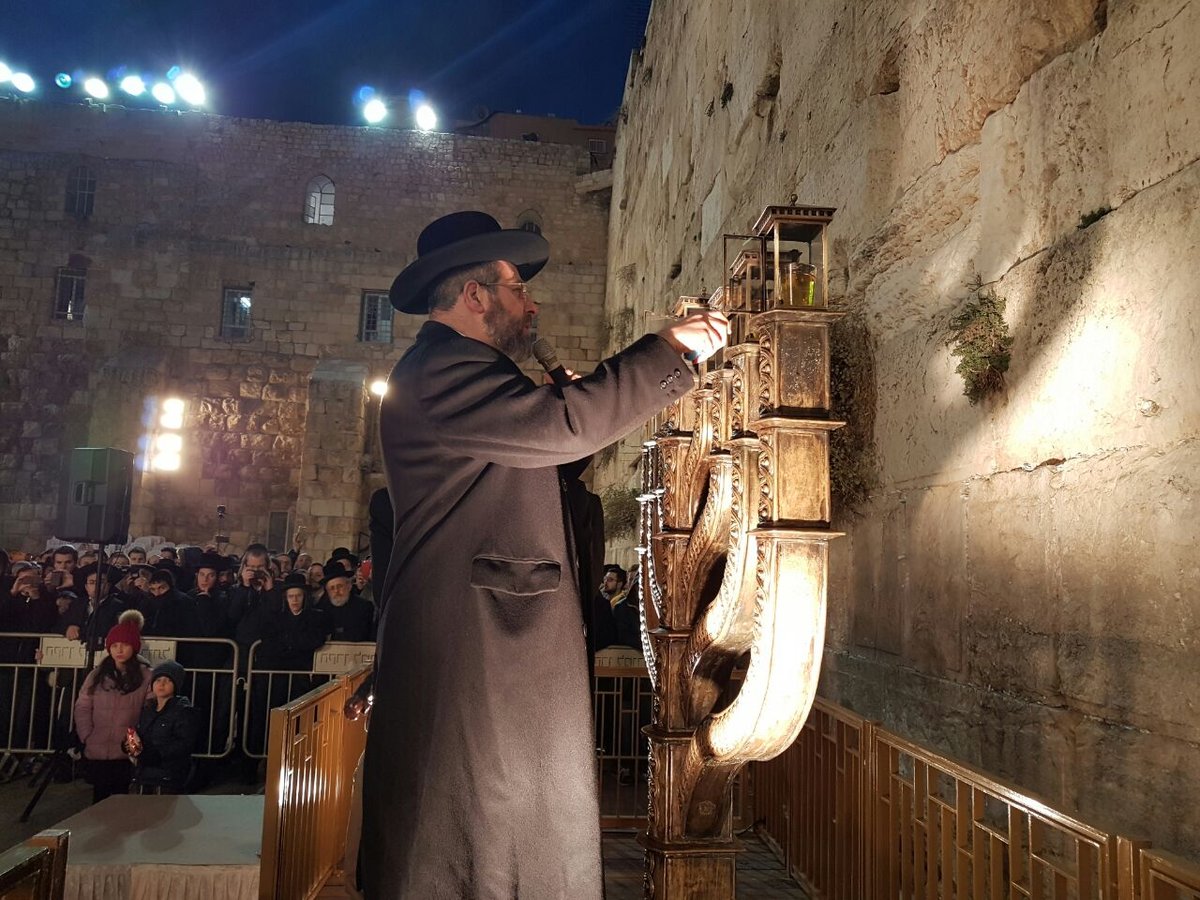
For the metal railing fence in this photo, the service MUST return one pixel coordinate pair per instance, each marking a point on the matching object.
(37, 698)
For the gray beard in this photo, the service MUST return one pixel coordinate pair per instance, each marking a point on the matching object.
(508, 334)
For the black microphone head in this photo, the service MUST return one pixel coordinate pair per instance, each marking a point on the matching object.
(544, 354)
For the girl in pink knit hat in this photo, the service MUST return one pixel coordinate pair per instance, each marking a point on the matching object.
(109, 705)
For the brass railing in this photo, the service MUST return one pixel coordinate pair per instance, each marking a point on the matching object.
(857, 812)
(36, 869)
(311, 757)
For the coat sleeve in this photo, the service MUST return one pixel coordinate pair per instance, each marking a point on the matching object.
(84, 724)
(480, 405)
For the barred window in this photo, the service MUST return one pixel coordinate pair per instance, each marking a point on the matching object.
(597, 146)
(318, 208)
(69, 294)
(81, 192)
(236, 324)
(375, 324)
(530, 221)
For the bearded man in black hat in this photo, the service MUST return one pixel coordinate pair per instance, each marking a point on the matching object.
(479, 771)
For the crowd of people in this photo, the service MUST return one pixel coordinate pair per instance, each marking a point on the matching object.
(286, 600)
(133, 724)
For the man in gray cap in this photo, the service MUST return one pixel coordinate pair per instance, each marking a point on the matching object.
(479, 770)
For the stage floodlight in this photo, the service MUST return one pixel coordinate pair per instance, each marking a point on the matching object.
(133, 85)
(5, 72)
(95, 87)
(63, 80)
(425, 117)
(172, 413)
(379, 387)
(163, 93)
(23, 82)
(375, 111)
(190, 89)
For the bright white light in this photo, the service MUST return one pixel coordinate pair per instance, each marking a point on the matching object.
(375, 111)
(244, 302)
(22, 82)
(168, 443)
(172, 414)
(426, 118)
(5, 73)
(190, 89)
(163, 93)
(165, 462)
(133, 85)
(379, 388)
(96, 87)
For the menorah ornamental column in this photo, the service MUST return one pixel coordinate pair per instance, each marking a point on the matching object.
(735, 534)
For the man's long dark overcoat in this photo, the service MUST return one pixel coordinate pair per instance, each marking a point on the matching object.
(479, 777)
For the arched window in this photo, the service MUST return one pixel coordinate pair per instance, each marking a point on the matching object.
(530, 221)
(318, 208)
(81, 192)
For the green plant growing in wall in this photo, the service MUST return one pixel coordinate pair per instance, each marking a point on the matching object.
(853, 466)
(979, 338)
(621, 512)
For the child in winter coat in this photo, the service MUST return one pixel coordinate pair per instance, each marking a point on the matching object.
(109, 704)
(165, 736)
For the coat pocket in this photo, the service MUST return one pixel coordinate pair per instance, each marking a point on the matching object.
(523, 577)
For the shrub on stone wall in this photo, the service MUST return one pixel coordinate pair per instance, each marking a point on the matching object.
(853, 469)
(979, 338)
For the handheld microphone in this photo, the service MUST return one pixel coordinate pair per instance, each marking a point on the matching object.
(544, 354)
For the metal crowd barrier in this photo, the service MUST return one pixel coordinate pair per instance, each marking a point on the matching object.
(37, 697)
(623, 702)
(859, 813)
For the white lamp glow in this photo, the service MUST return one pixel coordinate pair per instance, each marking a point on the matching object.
(425, 117)
(133, 85)
(188, 87)
(95, 87)
(163, 93)
(379, 388)
(374, 111)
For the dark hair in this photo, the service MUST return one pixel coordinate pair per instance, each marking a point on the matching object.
(65, 550)
(163, 576)
(443, 293)
(126, 681)
(618, 571)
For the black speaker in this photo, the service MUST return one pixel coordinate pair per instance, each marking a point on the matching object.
(99, 493)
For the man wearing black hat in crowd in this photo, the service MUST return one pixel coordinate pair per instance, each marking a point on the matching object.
(479, 772)
(349, 616)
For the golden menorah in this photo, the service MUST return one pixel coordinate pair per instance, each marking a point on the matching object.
(735, 528)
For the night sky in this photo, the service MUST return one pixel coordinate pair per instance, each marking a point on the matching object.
(305, 60)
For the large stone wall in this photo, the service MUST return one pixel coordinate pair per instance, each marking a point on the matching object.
(187, 204)
(1020, 589)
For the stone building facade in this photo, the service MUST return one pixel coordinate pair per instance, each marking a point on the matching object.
(1019, 587)
(167, 221)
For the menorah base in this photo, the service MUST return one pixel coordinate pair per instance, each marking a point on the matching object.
(705, 871)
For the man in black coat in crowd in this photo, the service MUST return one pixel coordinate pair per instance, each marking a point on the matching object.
(479, 771)
(348, 616)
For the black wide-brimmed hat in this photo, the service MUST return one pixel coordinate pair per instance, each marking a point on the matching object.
(214, 561)
(464, 239)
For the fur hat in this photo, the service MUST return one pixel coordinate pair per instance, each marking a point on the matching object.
(459, 240)
(128, 630)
